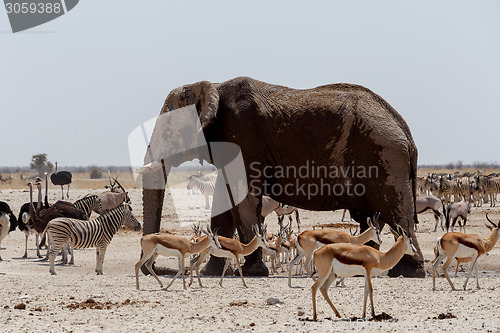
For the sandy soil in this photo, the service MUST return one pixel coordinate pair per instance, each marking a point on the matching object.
(78, 300)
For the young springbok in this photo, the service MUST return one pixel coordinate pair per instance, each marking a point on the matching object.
(461, 245)
(459, 260)
(168, 245)
(274, 251)
(346, 260)
(310, 240)
(230, 249)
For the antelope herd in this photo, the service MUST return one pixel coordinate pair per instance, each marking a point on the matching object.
(325, 254)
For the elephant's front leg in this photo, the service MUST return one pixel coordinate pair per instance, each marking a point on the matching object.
(246, 215)
(222, 221)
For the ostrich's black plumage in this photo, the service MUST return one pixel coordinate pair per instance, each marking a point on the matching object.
(61, 178)
(5, 208)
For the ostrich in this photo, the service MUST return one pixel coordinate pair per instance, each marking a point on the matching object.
(41, 216)
(61, 178)
(8, 222)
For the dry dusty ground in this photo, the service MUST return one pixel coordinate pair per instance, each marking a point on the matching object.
(78, 300)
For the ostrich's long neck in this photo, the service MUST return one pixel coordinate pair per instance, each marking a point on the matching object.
(46, 190)
(39, 204)
(31, 208)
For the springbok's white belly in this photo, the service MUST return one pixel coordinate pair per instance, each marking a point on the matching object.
(346, 271)
(167, 252)
(319, 245)
(269, 252)
(221, 253)
(464, 251)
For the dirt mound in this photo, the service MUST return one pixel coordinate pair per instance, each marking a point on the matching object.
(93, 304)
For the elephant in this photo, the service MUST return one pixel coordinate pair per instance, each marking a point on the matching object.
(336, 146)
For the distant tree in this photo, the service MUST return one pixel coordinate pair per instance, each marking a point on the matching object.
(459, 165)
(41, 164)
(450, 166)
(95, 173)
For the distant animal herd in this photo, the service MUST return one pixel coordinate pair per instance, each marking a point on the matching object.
(327, 253)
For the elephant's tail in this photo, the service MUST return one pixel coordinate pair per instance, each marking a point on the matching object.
(413, 180)
(447, 216)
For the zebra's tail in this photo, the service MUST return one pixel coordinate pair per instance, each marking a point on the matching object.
(446, 212)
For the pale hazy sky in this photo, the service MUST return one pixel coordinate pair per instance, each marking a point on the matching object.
(75, 87)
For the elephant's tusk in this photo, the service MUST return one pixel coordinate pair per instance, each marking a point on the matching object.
(149, 168)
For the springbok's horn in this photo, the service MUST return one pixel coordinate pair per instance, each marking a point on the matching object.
(495, 225)
(395, 233)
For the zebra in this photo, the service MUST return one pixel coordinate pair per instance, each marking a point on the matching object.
(206, 185)
(461, 189)
(81, 234)
(490, 186)
(445, 188)
(89, 204)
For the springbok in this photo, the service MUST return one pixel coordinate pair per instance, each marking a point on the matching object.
(459, 260)
(346, 260)
(274, 251)
(230, 249)
(168, 245)
(310, 240)
(460, 245)
(270, 205)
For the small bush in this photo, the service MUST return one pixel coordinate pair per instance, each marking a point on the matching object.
(95, 173)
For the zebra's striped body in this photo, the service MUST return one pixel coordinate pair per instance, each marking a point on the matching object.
(445, 189)
(490, 187)
(89, 204)
(206, 185)
(81, 234)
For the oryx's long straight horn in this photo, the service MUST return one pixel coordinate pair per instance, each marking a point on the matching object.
(109, 177)
(120, 185)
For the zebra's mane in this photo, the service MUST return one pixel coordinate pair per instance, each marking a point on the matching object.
(113, 215)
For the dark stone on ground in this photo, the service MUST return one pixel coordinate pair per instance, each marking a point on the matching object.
(215, 266)
(408, 267)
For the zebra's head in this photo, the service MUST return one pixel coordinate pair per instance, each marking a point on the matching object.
(129, 219)
(190, 184)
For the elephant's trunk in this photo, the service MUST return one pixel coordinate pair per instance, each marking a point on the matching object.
(153, 204)
(153, 194)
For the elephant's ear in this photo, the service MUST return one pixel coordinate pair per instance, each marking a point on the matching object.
(207, 102)
(203, 94)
